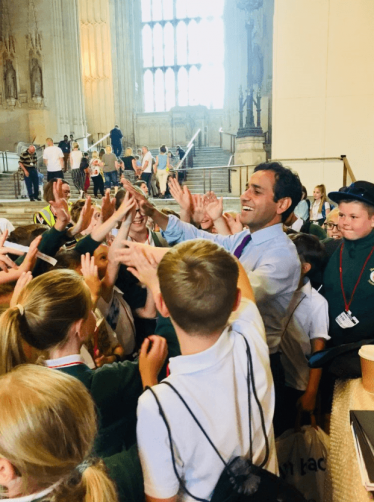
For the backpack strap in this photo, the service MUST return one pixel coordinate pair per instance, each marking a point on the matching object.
(250, 381)
(181, 483)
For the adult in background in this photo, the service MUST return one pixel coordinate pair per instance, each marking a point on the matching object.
(110, 168)
(75, 162)
(65, 147)
(53, 158)
(27, 163)
(147, 167)
(116, 140)
(96, 166)
(265, 251)
(131, 168)
(161, 168)
(182, 175)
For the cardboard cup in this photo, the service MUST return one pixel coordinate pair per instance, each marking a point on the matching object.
(366, 354)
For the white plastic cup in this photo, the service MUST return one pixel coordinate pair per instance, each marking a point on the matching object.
(366, 354)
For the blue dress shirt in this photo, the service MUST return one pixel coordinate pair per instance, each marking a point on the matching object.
(271, 262)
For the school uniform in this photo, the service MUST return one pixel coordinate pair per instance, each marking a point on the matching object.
(115, 389)
(214, 385)
(353, 258)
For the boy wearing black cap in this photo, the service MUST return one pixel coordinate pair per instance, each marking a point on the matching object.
(349, 275)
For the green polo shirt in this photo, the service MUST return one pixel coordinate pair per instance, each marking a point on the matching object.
(362, 307)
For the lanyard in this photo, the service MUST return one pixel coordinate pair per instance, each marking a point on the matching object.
(348, 304)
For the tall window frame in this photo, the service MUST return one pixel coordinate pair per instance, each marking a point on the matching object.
(182, 53)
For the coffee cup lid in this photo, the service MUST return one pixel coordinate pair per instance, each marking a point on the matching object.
(367, 352)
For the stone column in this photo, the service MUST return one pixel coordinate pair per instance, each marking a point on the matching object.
(97, 71)
(124, 73)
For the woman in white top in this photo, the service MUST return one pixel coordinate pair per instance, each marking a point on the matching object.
(320, 208)
(96, 166)
(77, 174)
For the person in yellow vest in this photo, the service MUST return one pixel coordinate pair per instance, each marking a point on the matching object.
(46, 216)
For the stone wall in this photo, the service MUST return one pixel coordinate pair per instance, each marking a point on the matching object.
(46, 33)
(324, 87)
(178, 126)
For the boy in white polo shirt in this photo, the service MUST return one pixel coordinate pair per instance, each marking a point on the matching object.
(306, 332)
(199, 285)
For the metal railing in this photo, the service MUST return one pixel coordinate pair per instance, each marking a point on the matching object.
(208, 172)
(100, 141)
(238, 175)
(190, 152)
(232, 139)
(4, 159)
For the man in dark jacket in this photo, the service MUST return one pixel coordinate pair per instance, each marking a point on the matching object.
(116, 140)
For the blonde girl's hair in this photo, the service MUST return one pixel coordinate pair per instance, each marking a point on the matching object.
(128, 152)
(75, 145)
(108, 149)
(322, 189)
(95, 154)
(47, 430)
(49, 305)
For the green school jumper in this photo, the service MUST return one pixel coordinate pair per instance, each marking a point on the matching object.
(115, 389)
(362, 307)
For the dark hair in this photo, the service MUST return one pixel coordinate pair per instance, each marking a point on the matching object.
(69, 259)
(287, 184)
(76, 209)
(25, 234)
(304, 192)
(310, 250)
(163, 149)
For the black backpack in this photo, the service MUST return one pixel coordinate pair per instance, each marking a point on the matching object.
(241, 480)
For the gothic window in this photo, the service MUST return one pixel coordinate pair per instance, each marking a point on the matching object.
(183, 53)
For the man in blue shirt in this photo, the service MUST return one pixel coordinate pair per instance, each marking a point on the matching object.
(266, 253)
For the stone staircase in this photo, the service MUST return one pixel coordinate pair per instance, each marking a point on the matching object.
(20, 212)
(215, 179)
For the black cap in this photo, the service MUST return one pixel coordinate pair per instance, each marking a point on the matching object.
(362, 191)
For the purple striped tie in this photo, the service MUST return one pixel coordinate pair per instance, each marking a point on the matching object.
(239, 250)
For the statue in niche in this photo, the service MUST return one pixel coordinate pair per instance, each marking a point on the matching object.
(36, 81)
(10, 82)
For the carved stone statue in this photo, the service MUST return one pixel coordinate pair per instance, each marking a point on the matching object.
(10, 80)
(36, 80)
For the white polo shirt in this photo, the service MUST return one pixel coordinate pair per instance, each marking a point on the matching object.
(213, 383)
(147, 156)
(53, 154)
(308, 318)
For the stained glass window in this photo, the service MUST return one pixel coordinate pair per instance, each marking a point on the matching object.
(183, 53)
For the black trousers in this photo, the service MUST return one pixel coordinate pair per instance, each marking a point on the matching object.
(98, 184)
(54, 174)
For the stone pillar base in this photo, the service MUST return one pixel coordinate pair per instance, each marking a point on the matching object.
(248, 151)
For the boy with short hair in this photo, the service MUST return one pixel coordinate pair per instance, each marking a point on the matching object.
(198, 284)
(306, 331)
(349, 277)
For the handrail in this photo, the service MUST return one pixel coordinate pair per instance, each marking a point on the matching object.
(232, 139)
(230, 160)
(189, 148)
(221, 131)
(347, 170)
(100, 140)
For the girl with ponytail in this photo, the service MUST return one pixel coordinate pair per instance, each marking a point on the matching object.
(47, 428)
(54, 316)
